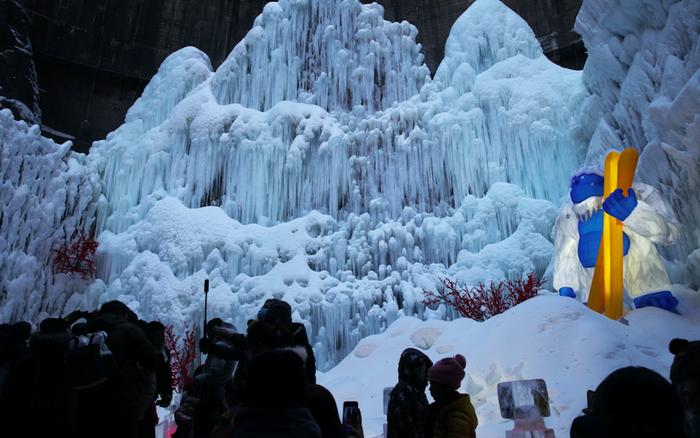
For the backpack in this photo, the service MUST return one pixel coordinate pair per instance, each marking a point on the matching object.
(89, 362)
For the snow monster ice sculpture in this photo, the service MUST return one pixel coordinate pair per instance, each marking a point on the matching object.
(646, 220)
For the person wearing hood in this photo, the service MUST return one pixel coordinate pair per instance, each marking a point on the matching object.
(452, 414)
(408, 405)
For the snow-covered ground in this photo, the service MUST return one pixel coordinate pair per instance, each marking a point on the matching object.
(554, 338)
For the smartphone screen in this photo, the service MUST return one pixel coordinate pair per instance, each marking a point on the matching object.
(351, 413)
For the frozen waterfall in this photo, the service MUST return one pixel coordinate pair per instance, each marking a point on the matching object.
(47, 195)
(320, 163)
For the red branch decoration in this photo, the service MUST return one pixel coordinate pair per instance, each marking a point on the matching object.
(482, 302)
(76, 258)
(182, 355)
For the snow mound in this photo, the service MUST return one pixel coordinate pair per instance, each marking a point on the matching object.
(554, 338)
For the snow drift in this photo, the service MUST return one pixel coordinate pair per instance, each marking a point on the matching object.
(554, 338)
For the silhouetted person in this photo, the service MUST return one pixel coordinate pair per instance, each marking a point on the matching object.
(136, 361)
(632, 402)
(275, 399)
(408, 405)
(685, 378)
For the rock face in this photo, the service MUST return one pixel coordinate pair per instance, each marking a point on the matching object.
(98, 55)
(18, 86)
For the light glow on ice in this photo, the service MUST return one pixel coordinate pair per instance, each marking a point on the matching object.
(321, 164)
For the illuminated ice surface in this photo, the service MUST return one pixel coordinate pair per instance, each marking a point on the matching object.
(321, 164)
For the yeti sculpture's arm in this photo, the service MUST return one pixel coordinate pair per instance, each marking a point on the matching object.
(567, 265)
(652, 218)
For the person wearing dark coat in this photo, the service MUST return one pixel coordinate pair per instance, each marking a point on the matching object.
(14, 346)
(155, 332)
(324, 409)
(452, 415)
(274, 399)
(278, 313)
(632, 402)
(37, 387)
(408, 405)
(685, 378)
(204, 404)
(134, 384)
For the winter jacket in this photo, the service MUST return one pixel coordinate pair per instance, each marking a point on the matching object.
(453, 417)
(49, 384)
(408, 405)
(325, 411)
(273, 423)
(136, 359)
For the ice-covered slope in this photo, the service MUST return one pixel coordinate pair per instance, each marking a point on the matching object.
(643, 72)
(47, 194)
(557, 339)
(346, 280)
(319, 163)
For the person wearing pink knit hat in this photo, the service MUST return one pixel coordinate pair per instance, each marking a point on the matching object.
(452, 415)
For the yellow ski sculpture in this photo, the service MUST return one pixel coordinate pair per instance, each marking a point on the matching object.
(607, 287)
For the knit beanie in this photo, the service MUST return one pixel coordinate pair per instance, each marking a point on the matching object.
(449, 371)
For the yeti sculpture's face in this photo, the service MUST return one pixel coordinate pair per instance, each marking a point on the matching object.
(585, 186)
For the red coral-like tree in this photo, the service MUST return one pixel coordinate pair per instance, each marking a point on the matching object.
(482, 302)
(182, 355)
(77, 257)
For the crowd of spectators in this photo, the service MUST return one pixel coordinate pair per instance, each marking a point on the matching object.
(103, 374)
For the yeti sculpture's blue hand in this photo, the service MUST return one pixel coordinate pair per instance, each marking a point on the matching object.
(567, 292)
(663, 300)
(620, 206)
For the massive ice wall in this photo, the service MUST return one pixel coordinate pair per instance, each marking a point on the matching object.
(515, 121)
(321, 164)
(46, 196)
(643, 72)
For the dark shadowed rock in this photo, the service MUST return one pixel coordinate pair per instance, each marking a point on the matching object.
(18, 86)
